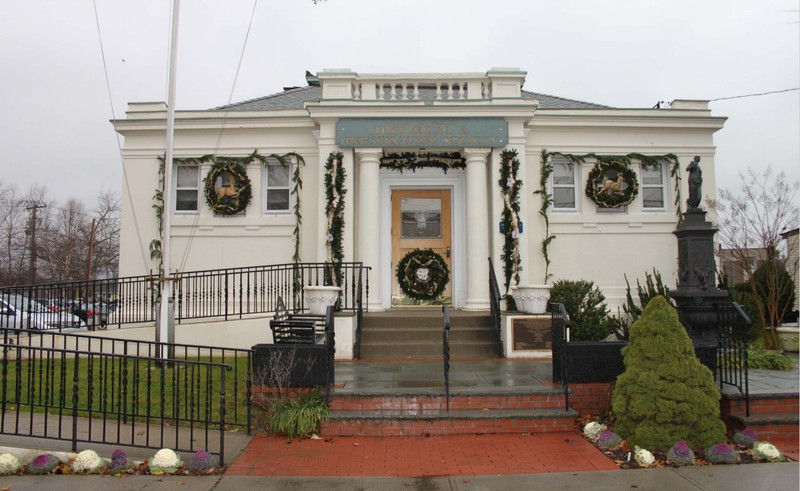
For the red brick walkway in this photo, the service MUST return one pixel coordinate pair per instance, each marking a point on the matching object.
(419, 456)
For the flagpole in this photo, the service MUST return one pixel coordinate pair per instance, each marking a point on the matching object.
(165, 328)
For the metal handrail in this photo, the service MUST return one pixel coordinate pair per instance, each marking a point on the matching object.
(214, 293)
(494, 308)
(733, 326)
(446, 355)
(559, 336)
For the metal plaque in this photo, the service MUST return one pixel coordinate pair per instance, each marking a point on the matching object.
(421, 132)
(532, 333)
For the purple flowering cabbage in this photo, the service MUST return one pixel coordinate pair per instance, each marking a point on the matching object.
(119, 462)
(202, 462)
(608, 439)
(746, 438)
(43, 464)
(722, 454)
(680, 454)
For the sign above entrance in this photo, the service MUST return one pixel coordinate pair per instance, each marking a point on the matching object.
(421, 132)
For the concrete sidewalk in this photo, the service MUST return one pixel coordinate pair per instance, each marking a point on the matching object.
(764, 477)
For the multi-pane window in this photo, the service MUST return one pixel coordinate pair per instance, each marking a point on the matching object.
(277, 188)
(565, 187)
(653, 186)
(187, 187)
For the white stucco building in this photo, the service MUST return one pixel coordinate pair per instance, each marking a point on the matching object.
(373, 117)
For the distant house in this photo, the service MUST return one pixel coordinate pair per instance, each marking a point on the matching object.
(738, 265)
(431, 160)
(793, 260)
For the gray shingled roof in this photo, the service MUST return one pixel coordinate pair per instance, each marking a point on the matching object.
(294, 98)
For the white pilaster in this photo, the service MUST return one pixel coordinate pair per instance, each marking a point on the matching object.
(477, 230)
(368, 251)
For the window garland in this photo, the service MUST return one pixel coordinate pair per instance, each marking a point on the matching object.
(546, 170)
(509, 189)
(285, 159)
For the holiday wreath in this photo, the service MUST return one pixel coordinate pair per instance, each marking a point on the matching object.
(612, 184)
(228, 189)
(423, 274)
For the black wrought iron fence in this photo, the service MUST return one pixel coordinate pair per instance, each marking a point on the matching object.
(97, 390)
(733, 327)
(218, 293)
(494, 307)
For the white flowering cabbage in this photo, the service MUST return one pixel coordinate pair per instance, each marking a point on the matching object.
(166, 461)
(766, 450)
(88, 461)
(592, 429)
(9, 464)
(643, 457)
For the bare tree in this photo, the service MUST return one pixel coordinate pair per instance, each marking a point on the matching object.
(753, 219)
(104, 261)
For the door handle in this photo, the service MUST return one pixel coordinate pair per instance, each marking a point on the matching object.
(447, 251)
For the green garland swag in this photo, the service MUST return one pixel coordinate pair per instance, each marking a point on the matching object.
(413, 161)
(334, 211)
(422, 274)
(231, 199)
(509, 189)
(612, 191)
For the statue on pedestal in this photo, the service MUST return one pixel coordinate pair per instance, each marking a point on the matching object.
(695, 184)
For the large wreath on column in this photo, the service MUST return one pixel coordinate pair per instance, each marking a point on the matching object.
(612, 184)
(228, 190)
(423, 274)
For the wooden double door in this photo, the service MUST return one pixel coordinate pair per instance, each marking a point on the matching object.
(421, 219)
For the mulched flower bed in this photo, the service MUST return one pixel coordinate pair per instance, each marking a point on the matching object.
(622, 454)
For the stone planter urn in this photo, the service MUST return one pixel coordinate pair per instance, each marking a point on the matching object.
(790, 337)
(318, 298)
(531, 299)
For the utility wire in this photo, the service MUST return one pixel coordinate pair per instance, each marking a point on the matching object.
(754, 95)
(119, 143)
(221, 129)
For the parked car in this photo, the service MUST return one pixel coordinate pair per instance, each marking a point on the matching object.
(94, 315)
(20, 312)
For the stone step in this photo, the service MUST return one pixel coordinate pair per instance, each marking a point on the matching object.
(539, 411)
(426, 350)
(399, 319)
(425, 335)
(458, 422)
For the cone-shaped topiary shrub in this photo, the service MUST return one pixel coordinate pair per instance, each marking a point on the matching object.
(665, 393)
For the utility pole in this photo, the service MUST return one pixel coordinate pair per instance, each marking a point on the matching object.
(32, 231)
(91, 250)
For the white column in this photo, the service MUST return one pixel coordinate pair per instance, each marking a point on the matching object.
(477, 230)
(368, 212)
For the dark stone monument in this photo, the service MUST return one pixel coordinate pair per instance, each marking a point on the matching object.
(697, 293)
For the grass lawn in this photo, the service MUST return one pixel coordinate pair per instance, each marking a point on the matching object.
(99, 385)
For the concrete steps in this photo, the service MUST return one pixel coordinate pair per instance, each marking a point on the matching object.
(772, 416)
(531, 411)
(417, 334)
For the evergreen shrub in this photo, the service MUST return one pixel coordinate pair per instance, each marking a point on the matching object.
(585, 304)
(665, 394)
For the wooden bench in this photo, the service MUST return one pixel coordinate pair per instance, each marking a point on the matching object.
(288, 328)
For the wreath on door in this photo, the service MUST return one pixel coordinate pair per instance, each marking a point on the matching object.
(423, 274)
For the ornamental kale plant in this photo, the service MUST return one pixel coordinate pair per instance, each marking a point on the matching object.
(202, 462)
(43, 464)
(119, 462)
(680, 454)
(608, 439)
(722, 453)
(665, 393)
(746, 438)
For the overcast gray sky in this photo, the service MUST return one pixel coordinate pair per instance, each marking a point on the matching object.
(625, 53)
